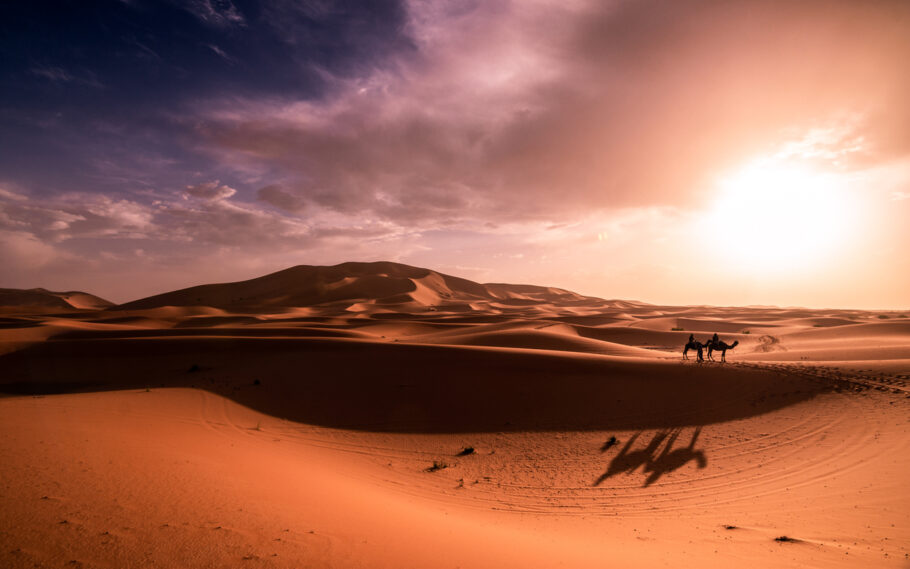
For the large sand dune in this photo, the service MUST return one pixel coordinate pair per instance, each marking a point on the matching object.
(380, 282)
(380, 415)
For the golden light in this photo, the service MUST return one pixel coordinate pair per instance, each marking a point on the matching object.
(776, 216)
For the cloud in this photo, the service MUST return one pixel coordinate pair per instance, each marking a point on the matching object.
(210, 191)
(338, 29)
(553, 109)
(221, 53)
(218, 13)
(52, 73)
(24, 251)
(82, 222)
(57, 74)
(75, 215)
(224, 223)
(6, 194)
(277, 196)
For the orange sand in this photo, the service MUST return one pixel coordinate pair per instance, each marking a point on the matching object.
(259, 428)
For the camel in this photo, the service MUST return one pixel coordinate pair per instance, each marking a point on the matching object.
(694, 345)
(722, 347)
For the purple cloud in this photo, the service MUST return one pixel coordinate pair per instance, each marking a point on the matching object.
(210, 191)
(279, 197)
(218, 13)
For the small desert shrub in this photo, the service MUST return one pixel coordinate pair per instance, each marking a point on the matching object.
(883, 316)
(466, 451)
(746, 332)
(437, 465)
(816, 325)
(677, 329)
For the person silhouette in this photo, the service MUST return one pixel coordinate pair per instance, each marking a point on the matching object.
(714, 338)
(691, 338)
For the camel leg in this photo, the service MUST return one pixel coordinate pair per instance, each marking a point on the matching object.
(723, 356)
(686, 353)
(694, 438)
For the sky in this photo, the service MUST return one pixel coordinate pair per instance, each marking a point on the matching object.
(695, 152)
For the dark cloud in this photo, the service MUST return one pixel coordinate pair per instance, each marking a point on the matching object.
(277, 196)
(141, 67)
(219, 13)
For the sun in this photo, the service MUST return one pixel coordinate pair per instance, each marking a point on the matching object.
(770, 215)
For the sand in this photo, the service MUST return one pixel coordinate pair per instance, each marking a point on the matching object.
(379, 415)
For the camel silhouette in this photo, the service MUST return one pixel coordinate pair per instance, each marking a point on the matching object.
(722, 347)
(694, 345)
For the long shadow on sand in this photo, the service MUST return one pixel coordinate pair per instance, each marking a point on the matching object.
(397, 387)
(655, 464)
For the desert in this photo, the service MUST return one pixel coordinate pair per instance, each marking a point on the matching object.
(384, 415)
(454, 284)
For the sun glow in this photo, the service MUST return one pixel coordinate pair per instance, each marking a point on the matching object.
(772, 216)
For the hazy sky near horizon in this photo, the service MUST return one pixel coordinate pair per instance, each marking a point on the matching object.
(686, 152)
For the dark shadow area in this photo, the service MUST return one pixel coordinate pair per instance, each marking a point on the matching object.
(655, 464)
(670, 460)
(399, 387)
(71, 314)
(239, 333)
(628, 460)
(57, 388)
(19, 323)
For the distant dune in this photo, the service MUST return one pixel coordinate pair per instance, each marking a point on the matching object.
(39, 299)
(382, 283)
(383, 415)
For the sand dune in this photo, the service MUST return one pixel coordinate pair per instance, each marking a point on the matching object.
(861, 330)
(703, 325)
(40, 300)
(380, 282)
(320, 417)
